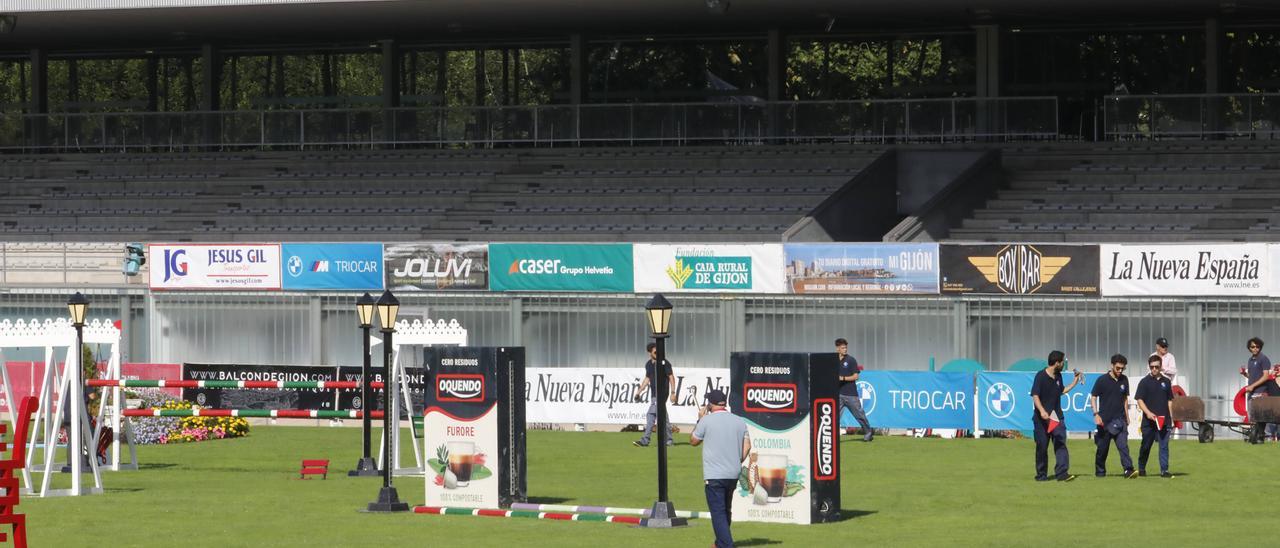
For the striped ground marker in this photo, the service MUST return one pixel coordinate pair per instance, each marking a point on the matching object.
(601, 510)
(281, 385)
(260, 413)
(499, 513)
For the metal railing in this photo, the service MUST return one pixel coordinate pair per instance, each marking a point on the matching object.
(924, 120)
(1199, 116)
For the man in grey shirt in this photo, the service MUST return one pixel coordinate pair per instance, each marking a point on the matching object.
(727, 446)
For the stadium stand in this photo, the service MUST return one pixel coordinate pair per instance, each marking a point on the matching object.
(1151, 192)
(634, 194)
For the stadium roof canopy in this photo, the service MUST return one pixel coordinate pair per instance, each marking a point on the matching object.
(168, 23)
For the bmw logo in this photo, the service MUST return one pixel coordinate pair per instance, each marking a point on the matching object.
(295, 266)
(1000, 402)
(868, 395)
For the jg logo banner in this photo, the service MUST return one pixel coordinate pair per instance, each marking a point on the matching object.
(355, 267)
(915, 399)
(1004, 401)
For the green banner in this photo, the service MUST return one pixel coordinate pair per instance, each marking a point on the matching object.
(561, 267)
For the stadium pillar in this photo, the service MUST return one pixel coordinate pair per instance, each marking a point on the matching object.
(39, 97)
(1212, 70)
(1212, 55)
(211, 60)
(988, 76)
(577, 69)
(777, 67)
(390, 87)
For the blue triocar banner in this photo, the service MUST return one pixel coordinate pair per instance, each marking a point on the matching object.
(915, 399)
(332, 266)
(1004, 401)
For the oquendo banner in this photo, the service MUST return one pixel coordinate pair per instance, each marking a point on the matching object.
(473, 428)
(789, 401)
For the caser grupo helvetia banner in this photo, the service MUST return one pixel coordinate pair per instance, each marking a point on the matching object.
(1019, 269)
(561, 267)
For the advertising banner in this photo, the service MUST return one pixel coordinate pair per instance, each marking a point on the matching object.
(233, 267)
(333, 266)
(473, 428)
(1020, 269)
(916, 399)
(713, 268)
(1004, 401)
(349, 398)
(433, 267)
(309, 398)
(606, 395)
(870, 268)
(1185, 269)
(788, 401)
(148, 371)
(560, 267)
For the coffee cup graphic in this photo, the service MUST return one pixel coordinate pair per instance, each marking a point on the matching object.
(772, 470)
(462, 459)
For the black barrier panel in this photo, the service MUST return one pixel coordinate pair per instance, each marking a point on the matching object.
(349, 399)
(791, 406)
(1019, 269)
(474, 426)
(304, 398)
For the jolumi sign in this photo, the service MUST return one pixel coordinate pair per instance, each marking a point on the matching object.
(560, 267)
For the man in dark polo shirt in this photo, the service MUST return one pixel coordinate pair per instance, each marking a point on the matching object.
(1046, 394)
(1110, 398)
(1154, 394)
(849, 397)
(1262, 384)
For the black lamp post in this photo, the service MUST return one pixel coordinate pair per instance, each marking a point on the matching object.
(388, 500)
(663, 515)
(364, 309)
(78, 307)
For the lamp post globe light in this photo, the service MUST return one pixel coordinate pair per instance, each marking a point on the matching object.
(77, 308)
(367, 466)
(658, 312)
(388, 499)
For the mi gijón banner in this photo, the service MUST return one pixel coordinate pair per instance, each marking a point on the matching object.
(231, 267)
(1004, 401)
(332, 266)
(435, 267)
(709, 268)
(560, 267)
(916, 399)
(870, 268)
(1020, 269)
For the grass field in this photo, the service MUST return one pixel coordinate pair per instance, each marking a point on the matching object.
(895, 491)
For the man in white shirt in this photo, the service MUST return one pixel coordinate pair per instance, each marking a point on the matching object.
(1168, 365)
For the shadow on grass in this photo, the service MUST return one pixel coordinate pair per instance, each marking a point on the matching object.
(156, 465)
(847, 514)
(122, 489)
(756, 542)
(547, 500)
